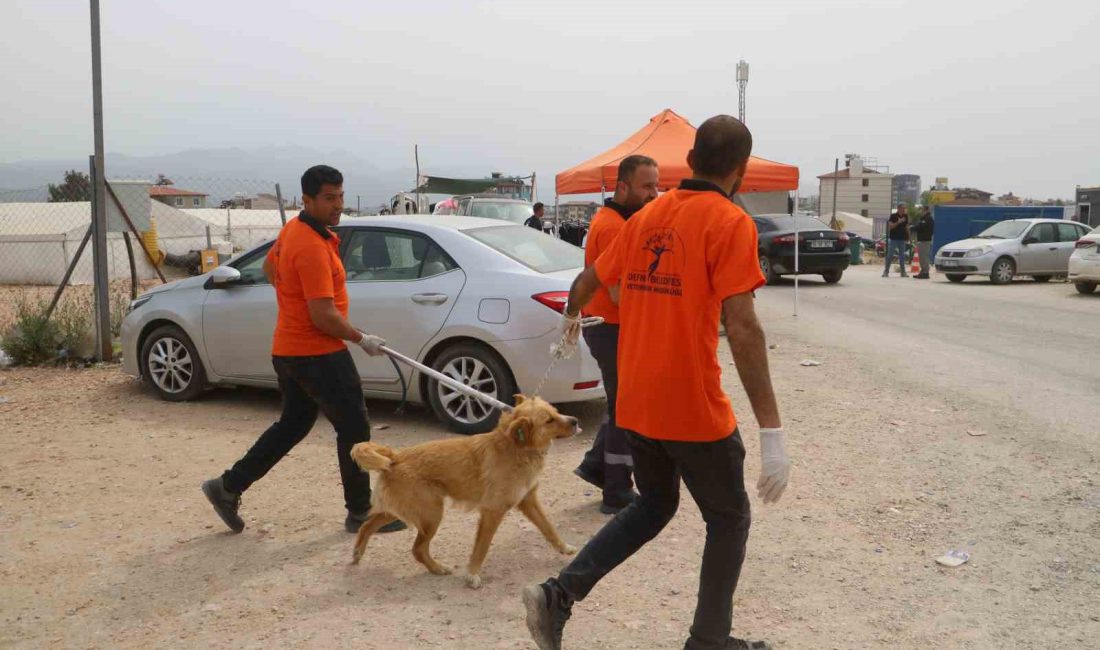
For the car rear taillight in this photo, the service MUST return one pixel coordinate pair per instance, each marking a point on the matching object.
(585, 385)
(553, 299)
(1084, 243)
(784, 239)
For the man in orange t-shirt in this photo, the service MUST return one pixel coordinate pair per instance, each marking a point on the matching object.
(315, 369)
(684, 264)
(608, 464)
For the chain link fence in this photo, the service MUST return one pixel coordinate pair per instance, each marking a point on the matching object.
(158, 230)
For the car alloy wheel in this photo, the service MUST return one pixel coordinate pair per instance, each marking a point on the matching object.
(170, 365)
(479, 367)
(475, 374)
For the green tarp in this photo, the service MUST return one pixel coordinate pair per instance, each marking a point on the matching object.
(456, 186)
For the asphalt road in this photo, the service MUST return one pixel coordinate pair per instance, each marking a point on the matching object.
(1027, 346)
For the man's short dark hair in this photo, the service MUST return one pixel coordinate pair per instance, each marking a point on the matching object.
(722, 144)
(631, 163)
(317, 176)
(538, 206)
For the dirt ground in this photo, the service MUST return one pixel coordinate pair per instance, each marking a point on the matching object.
(107, 541)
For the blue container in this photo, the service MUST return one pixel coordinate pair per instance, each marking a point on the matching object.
(957, 222)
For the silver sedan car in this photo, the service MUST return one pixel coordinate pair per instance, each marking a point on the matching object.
(476, 299)
(1040, 248)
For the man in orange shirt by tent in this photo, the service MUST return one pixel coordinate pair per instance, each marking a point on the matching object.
(608, 464)
(684, 264)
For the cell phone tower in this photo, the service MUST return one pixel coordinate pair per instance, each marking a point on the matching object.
(742, 83)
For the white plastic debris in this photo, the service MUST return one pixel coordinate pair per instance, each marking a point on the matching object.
(953, 559)
(5, 359)
(810, 362)
(975, 432)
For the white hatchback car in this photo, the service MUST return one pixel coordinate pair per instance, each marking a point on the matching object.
(1084, 264)
(477, 299)
(1039, 248)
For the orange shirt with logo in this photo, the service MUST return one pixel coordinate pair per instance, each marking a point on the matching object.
(307, 267)
(675, 261)
(605, 227)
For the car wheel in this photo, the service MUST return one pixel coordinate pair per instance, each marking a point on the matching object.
(171, 365)
(1041, 278)
(769, 272)
(480, 368)
(1003, 271)
(1085, 287)
(832, 276)
(955, 277)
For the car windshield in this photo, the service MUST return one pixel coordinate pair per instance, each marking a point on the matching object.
(786, 222)
(514, 212)
(1005, 230)
(530, 247)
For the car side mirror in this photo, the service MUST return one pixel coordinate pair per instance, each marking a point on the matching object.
(222, 277)
(1030, 240)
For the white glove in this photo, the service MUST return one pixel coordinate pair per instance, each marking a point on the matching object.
(570, 327)
(775, 466)
(372, 345)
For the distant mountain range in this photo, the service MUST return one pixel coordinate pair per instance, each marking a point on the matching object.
(224, 172)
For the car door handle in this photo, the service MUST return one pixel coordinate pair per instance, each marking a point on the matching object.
(430, 298)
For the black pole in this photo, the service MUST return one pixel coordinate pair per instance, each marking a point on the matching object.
(133, 265)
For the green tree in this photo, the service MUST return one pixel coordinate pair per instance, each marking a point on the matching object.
(77, 187)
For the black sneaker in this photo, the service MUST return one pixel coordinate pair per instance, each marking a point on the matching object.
(225, 503)
(589, 475)
(546, 615)
(612, 504)
(733, 643)
(355, 521)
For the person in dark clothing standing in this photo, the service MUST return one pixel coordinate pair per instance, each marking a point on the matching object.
(608, 464)
(535, 220)
(316, 371)
(924, 228)
(897, 240)
(683, 264)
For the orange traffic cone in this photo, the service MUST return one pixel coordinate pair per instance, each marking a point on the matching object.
(914, 267)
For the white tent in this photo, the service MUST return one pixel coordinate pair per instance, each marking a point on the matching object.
(39, 240)
(244, 228)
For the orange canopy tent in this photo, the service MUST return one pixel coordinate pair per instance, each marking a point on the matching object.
(667, 139)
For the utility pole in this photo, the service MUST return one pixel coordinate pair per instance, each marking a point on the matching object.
(742, 83)
(104, 347)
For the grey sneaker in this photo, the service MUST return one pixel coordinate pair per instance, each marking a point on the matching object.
(355, 521)
(225, 503)
(546, 615)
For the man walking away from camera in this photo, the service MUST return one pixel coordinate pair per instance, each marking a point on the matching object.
(314, 366)
(684, 263)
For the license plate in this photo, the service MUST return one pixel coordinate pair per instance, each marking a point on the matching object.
(949, 262)
(822, 243)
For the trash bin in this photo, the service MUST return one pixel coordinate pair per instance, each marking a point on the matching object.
(855, 246)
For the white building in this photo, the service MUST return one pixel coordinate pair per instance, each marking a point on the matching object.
(859, 190)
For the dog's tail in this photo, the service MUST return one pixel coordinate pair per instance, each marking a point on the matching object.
(371, 457)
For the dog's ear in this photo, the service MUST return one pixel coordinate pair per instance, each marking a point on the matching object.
(521, 430)
(520, 398)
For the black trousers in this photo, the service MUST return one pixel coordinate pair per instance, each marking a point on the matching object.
(610, 455)
(327, 383)
(714, 475)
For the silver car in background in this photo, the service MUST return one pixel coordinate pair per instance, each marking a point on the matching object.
(1039, 248)
(477, 299)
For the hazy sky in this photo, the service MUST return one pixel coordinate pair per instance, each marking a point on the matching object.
(998, 95)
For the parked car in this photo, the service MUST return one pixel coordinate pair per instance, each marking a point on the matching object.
(821, 250)
(495, 207)
(1084, 263)
(1040, 248)
(474, 298)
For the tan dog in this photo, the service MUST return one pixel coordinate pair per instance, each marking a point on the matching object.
(492, 472)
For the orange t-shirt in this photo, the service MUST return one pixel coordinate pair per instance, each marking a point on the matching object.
(307, 267)
(605, 227)
(675, 261)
